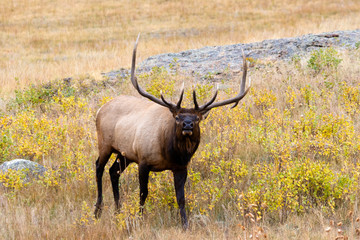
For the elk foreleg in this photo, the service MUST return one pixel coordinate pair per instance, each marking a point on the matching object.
(116, 169)
(100, 165)
(144, 171)
(179, 181)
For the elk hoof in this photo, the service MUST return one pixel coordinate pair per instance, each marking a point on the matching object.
(117, 208)
(185, 225)
(97, 212)
(141, 211)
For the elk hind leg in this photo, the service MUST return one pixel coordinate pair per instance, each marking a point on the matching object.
(100, 165)
(116, 169)
(144, 171)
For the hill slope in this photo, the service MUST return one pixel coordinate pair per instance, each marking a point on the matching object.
(216, 59)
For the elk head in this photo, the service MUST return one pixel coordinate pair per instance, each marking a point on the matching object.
(187, 119)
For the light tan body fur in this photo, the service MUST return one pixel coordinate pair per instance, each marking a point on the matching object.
(135, 127)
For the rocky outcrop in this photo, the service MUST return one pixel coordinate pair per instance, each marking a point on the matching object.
(219, 58)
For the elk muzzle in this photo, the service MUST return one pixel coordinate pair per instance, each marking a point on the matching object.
(188, 127)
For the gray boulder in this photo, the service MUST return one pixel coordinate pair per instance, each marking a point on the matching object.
(31, 169)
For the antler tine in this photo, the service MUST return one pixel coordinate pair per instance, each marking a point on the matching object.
(243, 94)
(195, 101)
(142, 92)
(169, 104)
(203, 107)
(207, 107)
(133, 63)
(178, 105)
(242, 87)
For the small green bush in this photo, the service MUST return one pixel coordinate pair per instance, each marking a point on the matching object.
(158, 82)
(324, 61)
(298, 187)
(357, 45)
(5, 145)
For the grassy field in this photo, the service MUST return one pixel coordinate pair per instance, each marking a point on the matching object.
(282, 165)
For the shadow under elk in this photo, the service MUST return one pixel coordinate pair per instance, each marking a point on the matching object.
(157, 135)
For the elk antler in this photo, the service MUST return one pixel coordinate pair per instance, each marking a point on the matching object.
(209, 105)
(143, 93)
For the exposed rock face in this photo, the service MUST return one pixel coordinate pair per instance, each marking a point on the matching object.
(32, 169)
(216, 59)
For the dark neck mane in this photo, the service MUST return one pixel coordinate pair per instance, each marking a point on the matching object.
(182, 148)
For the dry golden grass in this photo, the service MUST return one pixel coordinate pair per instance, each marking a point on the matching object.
(67, 213)
(42, 40)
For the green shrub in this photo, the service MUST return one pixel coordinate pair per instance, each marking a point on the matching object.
(357, 45)
(5, 145)
(158, 82)
(324, 61)
(300, 186)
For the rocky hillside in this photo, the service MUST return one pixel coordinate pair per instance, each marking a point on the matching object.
(218, 58)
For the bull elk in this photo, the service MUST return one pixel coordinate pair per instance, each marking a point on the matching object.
(158, 135)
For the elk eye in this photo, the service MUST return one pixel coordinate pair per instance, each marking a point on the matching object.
(197, 118)
(177, 118)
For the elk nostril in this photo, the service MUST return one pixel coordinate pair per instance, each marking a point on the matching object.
(188, 125)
